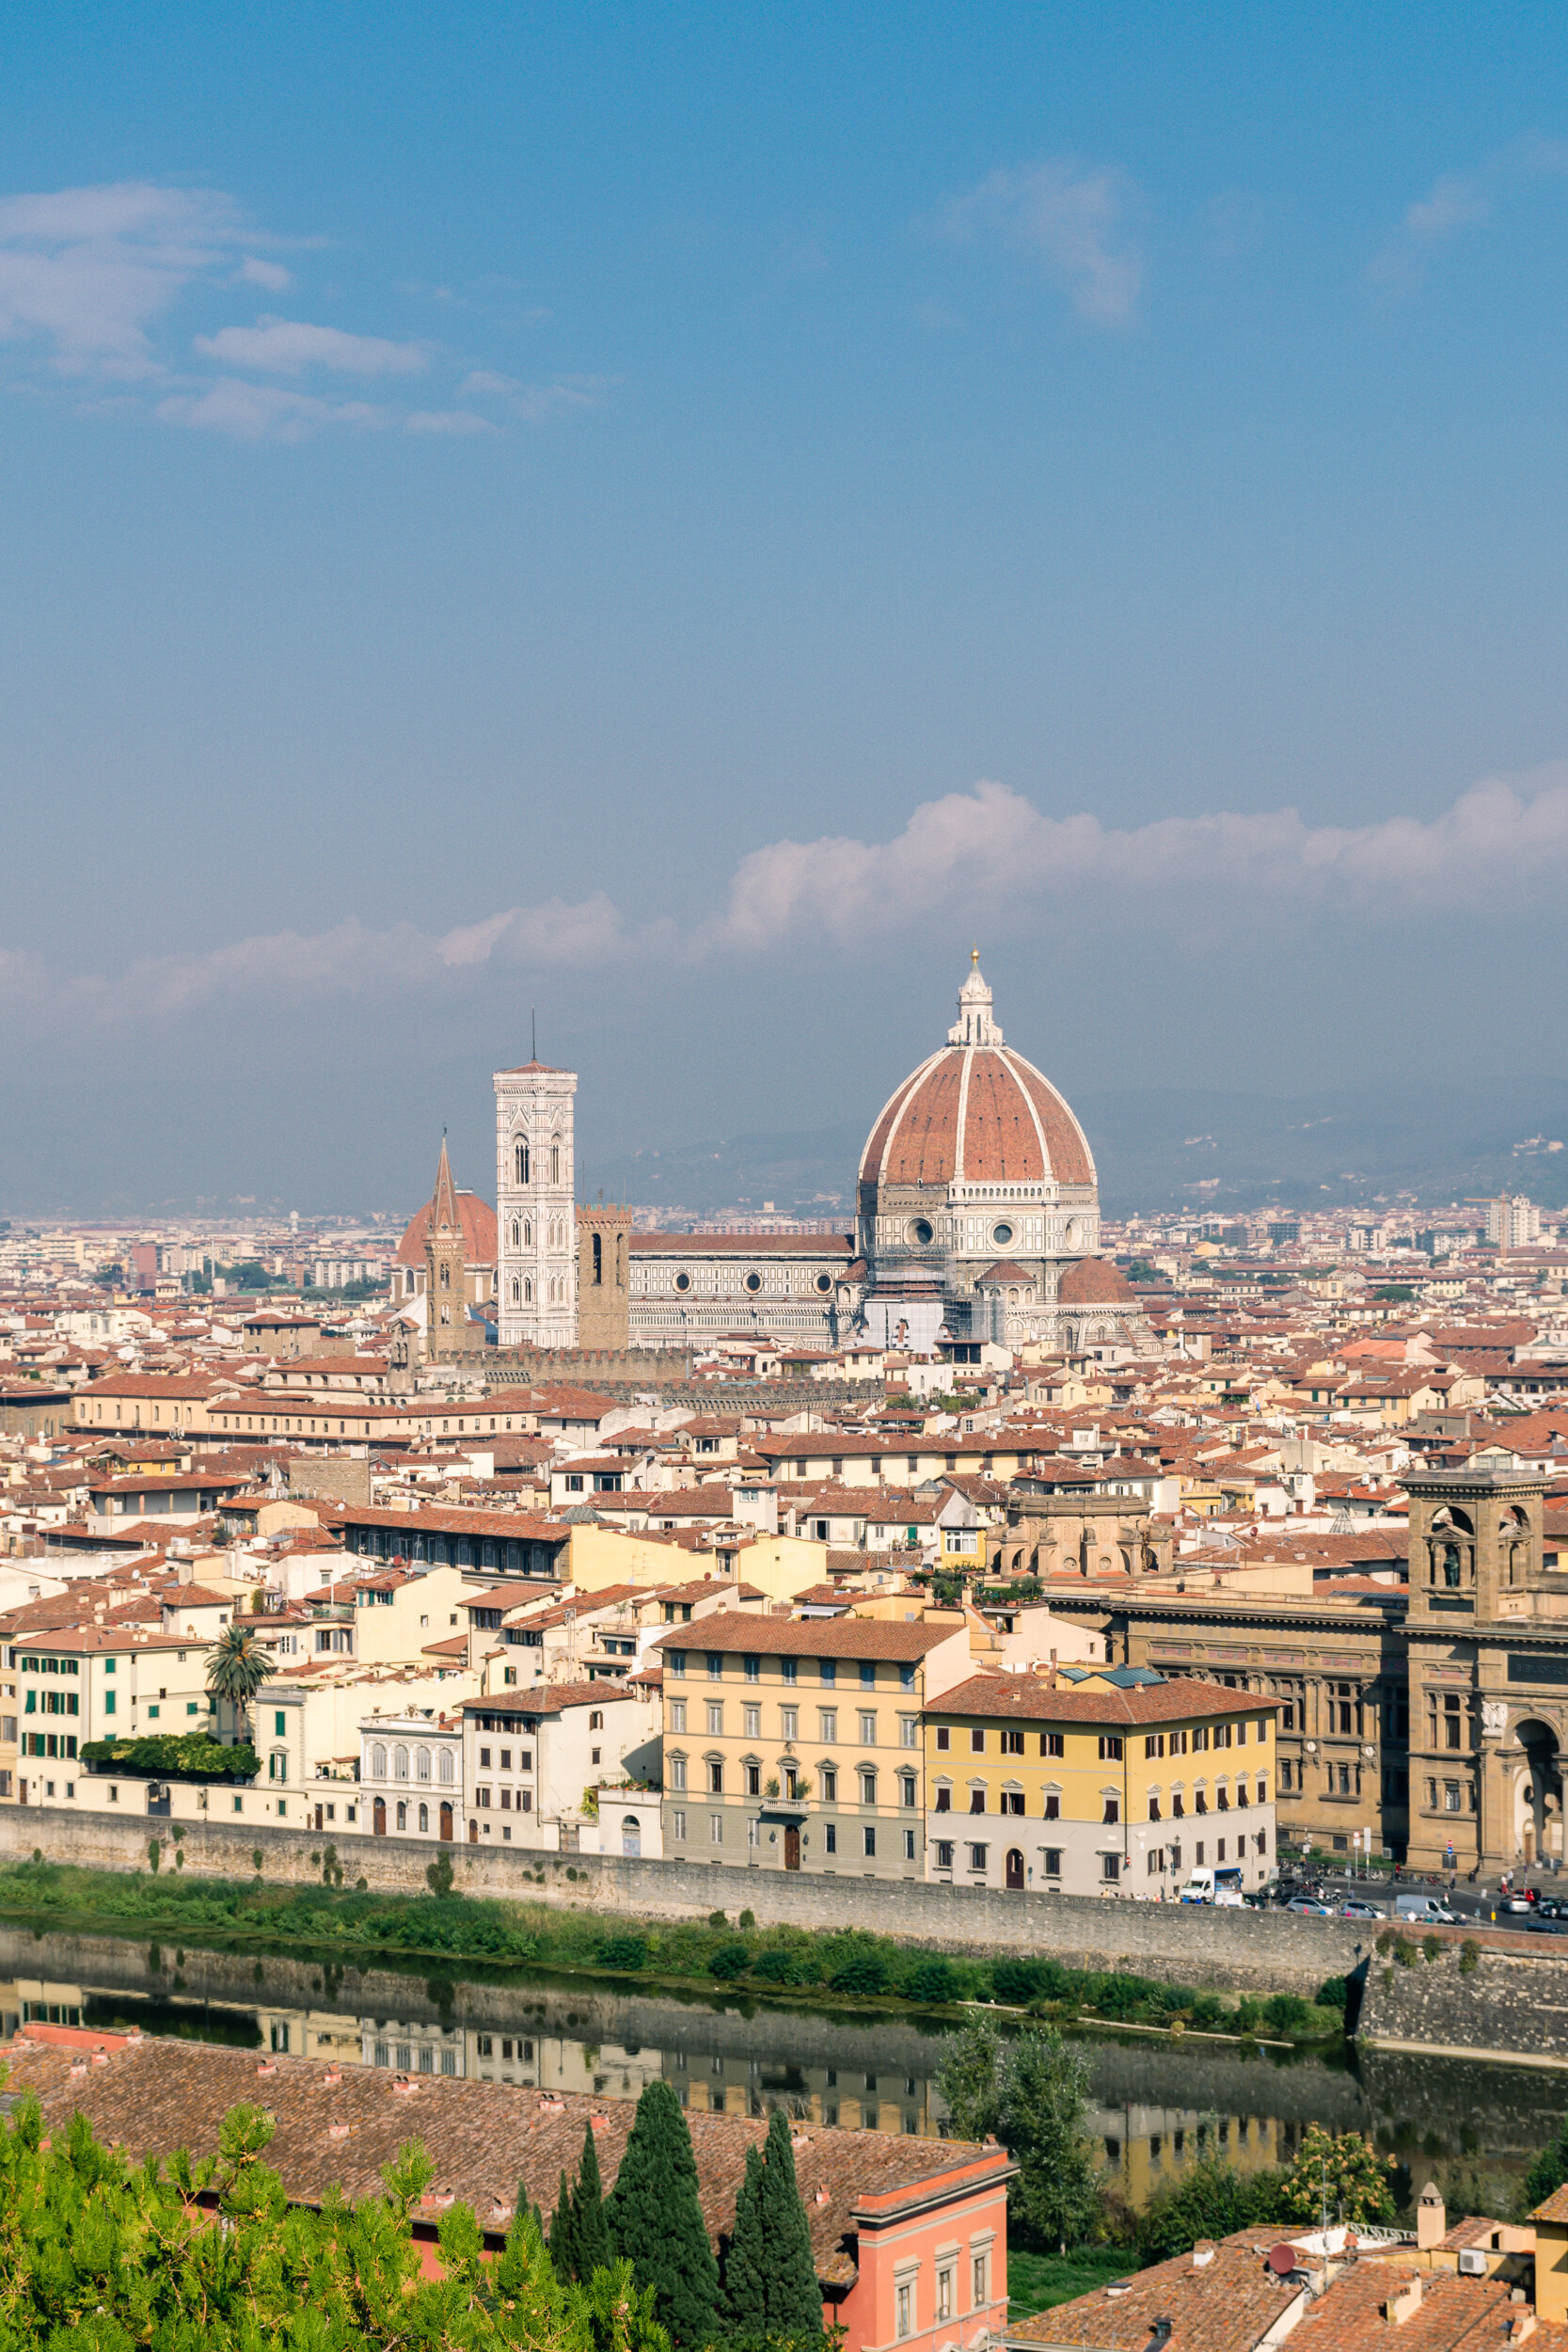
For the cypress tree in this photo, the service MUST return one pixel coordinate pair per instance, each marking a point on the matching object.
(794, 2304)
(656, 2220)
(745, 2275)
(563, 2236)
(589, 2230)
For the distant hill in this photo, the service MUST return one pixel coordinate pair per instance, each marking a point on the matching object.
(1169, 1148)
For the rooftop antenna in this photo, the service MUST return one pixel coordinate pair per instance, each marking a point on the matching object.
(533, 1020)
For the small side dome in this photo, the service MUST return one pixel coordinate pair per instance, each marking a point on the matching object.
(1094, 1282)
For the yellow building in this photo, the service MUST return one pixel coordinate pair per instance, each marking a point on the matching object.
(1112, 1782)
(795, 1744)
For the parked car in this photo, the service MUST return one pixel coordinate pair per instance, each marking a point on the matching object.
(1517, 1900)
(1308, 1907)
(1540, 1924)
(1359, 1911)
(1552, 1907)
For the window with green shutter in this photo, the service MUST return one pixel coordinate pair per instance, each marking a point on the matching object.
(280, 1725)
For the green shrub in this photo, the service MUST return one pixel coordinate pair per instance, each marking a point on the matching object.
(780, 1967)
(863, 1972)
(1249, 2014)
(172, 1756)
(1287, 2013)
(748, 1919)
(729, 1962)
(933, 1980)
(1431, 1945)
(1208, 2013)
(623, 1951)
(1016, 1982)
(1334, 1992)
(1470, 1957)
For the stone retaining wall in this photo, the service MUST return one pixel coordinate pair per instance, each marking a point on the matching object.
(1510, 2005)
(1188, 1944)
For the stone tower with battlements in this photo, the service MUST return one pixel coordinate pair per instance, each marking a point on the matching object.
(604, 1278)
(446, 1306)
(536, 1242)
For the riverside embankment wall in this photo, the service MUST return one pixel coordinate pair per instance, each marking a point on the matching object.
(1476, 2003)
(1181, 1944)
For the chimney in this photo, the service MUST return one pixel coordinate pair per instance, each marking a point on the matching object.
(1403, 2306)
(1432, 2220)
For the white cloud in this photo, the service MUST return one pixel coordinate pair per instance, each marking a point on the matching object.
(262, 412)
(272, 275)
(1501, 845)
(1071, 221)
(447, 420)
(1458, 200)
(483, 380)
(86, 273)
(289, 346)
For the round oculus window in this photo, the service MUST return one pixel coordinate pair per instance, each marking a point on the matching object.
(1002, 1235)
(921, 1233)
(754, 1281)
(683, 1281)
(824, 1282)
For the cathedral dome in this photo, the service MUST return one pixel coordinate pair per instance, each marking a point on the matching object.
(976, 1113)
(478, 1220)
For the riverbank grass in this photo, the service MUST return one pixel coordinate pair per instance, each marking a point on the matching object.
(847, 1964)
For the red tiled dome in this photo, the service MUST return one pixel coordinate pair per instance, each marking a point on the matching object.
(1094, 1282)
(480, 1238)
(976, 1114)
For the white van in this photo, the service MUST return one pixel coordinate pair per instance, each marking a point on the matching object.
(1424, 1907)
(1221, 1887)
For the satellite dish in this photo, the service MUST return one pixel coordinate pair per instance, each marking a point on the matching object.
(1283, 2260)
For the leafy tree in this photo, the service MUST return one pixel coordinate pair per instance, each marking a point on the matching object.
(1208, 2199)
(770, 2272)
(1033, 2095)
(124, 2256)
(656, 2220)
(1345, 2170)
(1044, 2091)
(1548, 2171)
(965, 2078)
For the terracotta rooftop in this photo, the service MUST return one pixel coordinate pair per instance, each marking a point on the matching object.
(155, 2097)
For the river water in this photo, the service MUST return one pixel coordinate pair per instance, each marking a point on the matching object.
(1155, 2100)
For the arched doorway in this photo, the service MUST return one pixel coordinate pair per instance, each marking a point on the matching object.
(1015, 1866)
(1537, 1812)
(378, 1820)
(631, 1835)
(473, 1833)
(446, 1823)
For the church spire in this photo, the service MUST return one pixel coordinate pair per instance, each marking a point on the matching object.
(975, 1025)
(443, 1207)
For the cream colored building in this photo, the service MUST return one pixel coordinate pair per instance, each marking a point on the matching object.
(793, 1743)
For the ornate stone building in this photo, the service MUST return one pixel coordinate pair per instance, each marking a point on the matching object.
(536, 1258)
(1488, 1643)
(978, 1203)
(977, 1219)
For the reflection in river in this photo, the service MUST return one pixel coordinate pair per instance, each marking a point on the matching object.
(1157, 2103)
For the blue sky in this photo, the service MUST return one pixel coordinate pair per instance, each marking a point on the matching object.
(687, 516)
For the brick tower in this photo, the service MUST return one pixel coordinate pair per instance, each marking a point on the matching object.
(446, 1306)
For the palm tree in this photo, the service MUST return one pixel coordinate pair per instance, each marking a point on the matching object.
(237, 1665)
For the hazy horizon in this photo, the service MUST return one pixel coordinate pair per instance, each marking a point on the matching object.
(688, 523)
